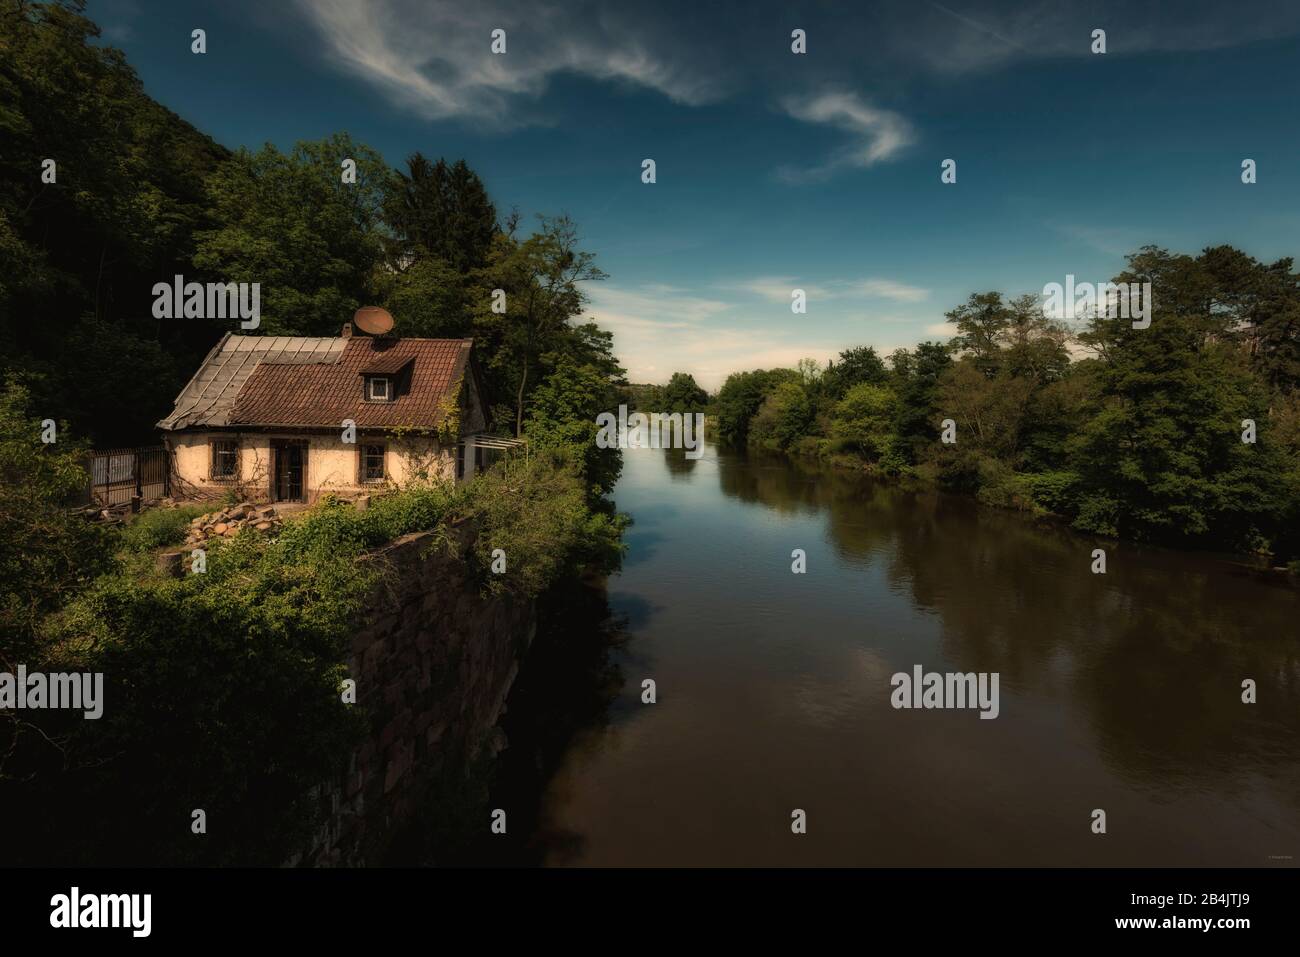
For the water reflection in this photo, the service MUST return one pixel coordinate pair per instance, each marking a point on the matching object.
(1119, 691)
(1154, 651)
(679, 466)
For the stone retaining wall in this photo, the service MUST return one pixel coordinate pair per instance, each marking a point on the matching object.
(433, 661)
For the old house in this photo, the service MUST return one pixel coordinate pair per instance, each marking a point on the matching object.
(271, 416)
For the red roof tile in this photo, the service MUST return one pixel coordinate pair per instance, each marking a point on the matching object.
(323, 395)
(388, 364)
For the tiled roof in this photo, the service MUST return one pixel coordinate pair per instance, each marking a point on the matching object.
(387, 364)
(321, 394)
(210, 395)
(325, 395)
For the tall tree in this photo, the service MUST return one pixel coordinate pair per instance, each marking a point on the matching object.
(742, 395)
(440, 211)
(289, 222)
(542, 278)
(683, 394)
(855, 366)
(981, 323)
(915, 376)
(1164, 457)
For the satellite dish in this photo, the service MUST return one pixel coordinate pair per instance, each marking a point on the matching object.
(373, 320)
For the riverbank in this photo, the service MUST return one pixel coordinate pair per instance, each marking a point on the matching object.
(1009, 497)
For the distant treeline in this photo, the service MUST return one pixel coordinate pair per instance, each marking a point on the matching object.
(681, 394)
(1186, 432)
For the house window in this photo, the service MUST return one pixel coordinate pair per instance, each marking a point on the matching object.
(379, 388)
(225, 460)
(372, 463)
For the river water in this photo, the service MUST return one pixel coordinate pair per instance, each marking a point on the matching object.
(1119, 691)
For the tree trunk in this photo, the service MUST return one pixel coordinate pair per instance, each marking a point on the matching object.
(519, 402)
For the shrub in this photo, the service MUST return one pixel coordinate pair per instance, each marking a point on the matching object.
(158, 527)
(222, 692)
(865, 415)
(783, 418)
(1053, 491)
(1003, 488)
(812, 446)
(46, 551)
(535, 510)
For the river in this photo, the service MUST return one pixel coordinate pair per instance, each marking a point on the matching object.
(1119, 691)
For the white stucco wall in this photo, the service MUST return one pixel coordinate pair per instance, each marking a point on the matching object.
(331, 463)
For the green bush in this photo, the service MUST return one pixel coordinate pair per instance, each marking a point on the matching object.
(1055, 492)
(535, 510)
(222, 693)
(1003, 488)
(784, 417)
(159, 527)
(812, 446)
(46, 550)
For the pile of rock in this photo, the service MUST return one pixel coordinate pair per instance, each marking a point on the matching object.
(227, 522)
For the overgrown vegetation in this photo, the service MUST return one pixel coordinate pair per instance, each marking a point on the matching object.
(224, 689)
(157, 527)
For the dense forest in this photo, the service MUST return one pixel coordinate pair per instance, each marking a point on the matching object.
(1186, 432)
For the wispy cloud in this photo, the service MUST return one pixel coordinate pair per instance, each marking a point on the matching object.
(888, 289)
(778, 289)
(661, 304)
(435, 56)
(877, 134)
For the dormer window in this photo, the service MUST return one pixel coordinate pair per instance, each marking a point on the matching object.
(379, 388)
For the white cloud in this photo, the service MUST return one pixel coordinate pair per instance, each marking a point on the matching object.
(888, 289)
(778, 289)
(660, 304)
(944, 329)
(435, 57)
(878, 134)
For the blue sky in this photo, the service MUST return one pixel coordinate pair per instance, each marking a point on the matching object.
(775, 170)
